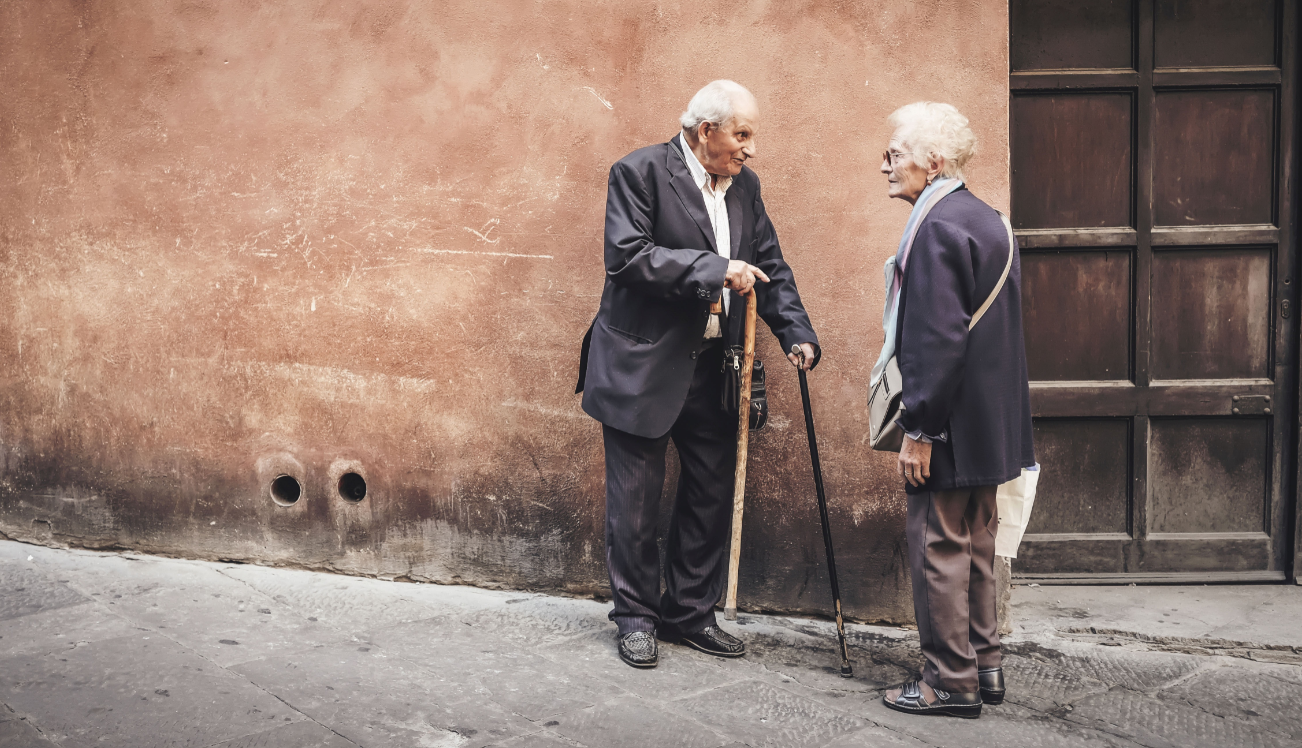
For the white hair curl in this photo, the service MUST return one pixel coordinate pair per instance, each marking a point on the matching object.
(715, 103)
(933, 131)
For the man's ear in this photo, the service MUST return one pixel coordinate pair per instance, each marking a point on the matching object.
(703, 130)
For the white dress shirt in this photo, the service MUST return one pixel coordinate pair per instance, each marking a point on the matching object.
(717, 210)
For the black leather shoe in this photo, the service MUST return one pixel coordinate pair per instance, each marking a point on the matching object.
(991, 681)
(638, 648)
(713, 640)
(963, 705)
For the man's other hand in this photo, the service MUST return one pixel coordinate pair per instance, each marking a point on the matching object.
(808, 350)
(741, 276)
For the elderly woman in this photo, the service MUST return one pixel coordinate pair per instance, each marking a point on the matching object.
(966, 411)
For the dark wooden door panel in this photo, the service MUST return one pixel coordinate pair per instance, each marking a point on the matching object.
(1208, 475)
(1245, 558)
(1213, 157)
(1153, 179)
(1085, 486)
(1072, 160)
(1082, 296)
(1047, 556)
(1057, 34)
(1211, 313)
(1214, 33)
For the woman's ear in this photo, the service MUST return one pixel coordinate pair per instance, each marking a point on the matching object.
(937, 166)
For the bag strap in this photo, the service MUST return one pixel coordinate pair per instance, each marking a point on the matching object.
(1000, 285)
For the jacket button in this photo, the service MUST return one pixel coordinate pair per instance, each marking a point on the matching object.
(693, 355)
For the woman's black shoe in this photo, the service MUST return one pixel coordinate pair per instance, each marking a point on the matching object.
(911, 700)
(991, 681)
(638, 648)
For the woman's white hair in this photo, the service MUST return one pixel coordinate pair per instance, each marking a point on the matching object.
(715, 103)
(932, 131)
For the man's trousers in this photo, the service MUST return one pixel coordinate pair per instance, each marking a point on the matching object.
(706, 439)
(951, 538)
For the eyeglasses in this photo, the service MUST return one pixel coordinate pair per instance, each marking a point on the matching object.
(890, 156)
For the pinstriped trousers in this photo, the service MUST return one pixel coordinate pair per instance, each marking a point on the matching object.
(706, 439)
(951, 538)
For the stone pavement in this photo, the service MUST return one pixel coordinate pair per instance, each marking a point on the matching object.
(100, 649)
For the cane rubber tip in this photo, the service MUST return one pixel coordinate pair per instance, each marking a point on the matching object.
(847, 672)
(730, 614)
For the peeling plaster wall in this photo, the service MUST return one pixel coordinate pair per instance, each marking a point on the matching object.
(246, 238)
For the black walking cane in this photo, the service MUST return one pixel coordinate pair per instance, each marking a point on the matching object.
(846, 670)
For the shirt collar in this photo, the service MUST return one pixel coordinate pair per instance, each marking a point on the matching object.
(699, 174)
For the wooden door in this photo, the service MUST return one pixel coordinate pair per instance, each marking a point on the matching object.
(1152, 149)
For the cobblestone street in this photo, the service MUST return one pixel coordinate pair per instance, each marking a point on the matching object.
(106, 649)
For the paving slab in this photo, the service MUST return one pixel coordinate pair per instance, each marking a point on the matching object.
(195, 604)
(1264, 615)
(305, 734)
(61, 628)
(540, 739)
(350, 604)
(1160, 723)
(761, 714)
(513, 676)
(1244, 693)
(375, 698)
(19, 733)
(139, 691)
(630, 720)
(1132, 669)
(28, 591)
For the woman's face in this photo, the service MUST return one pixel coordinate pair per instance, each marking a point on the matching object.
(905, 176)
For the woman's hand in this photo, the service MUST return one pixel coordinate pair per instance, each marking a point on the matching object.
(915, 461)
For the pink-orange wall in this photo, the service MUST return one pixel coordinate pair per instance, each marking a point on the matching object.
(245, 238)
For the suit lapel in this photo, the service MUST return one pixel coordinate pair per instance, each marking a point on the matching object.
(733, 200)
(688, 193)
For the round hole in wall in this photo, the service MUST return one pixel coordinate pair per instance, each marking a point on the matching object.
(352, 487)
(285, 490)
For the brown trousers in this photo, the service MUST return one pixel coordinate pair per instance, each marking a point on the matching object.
(951, 538)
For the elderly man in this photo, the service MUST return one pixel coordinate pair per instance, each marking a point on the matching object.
(685, 230)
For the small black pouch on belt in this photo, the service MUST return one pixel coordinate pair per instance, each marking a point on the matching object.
(733, 358)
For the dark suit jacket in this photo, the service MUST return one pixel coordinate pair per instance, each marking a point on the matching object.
(970, 386)
(662, 274)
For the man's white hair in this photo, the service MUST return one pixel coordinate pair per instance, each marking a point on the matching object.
(931, 131)
(715, 103)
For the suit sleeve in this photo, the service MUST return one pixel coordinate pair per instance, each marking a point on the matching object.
(635, 261)
(778, 302)
(934, 320)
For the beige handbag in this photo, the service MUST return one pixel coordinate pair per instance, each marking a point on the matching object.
(886, 397)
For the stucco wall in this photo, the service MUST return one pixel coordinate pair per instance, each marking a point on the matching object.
(243, 238)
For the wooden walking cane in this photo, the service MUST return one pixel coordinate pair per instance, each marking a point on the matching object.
(743, 438)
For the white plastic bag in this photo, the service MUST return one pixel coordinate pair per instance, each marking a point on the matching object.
(1015, 499)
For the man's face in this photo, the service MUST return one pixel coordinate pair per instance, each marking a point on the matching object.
(728, 147)
(905, 177)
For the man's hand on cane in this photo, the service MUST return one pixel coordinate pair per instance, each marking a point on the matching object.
(915, 461)
(741, 276)
(802, 357)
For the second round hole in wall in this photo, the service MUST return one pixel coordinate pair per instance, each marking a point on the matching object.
(352, 487)
(285, 490)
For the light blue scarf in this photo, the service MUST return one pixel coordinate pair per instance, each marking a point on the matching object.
(894, 268)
